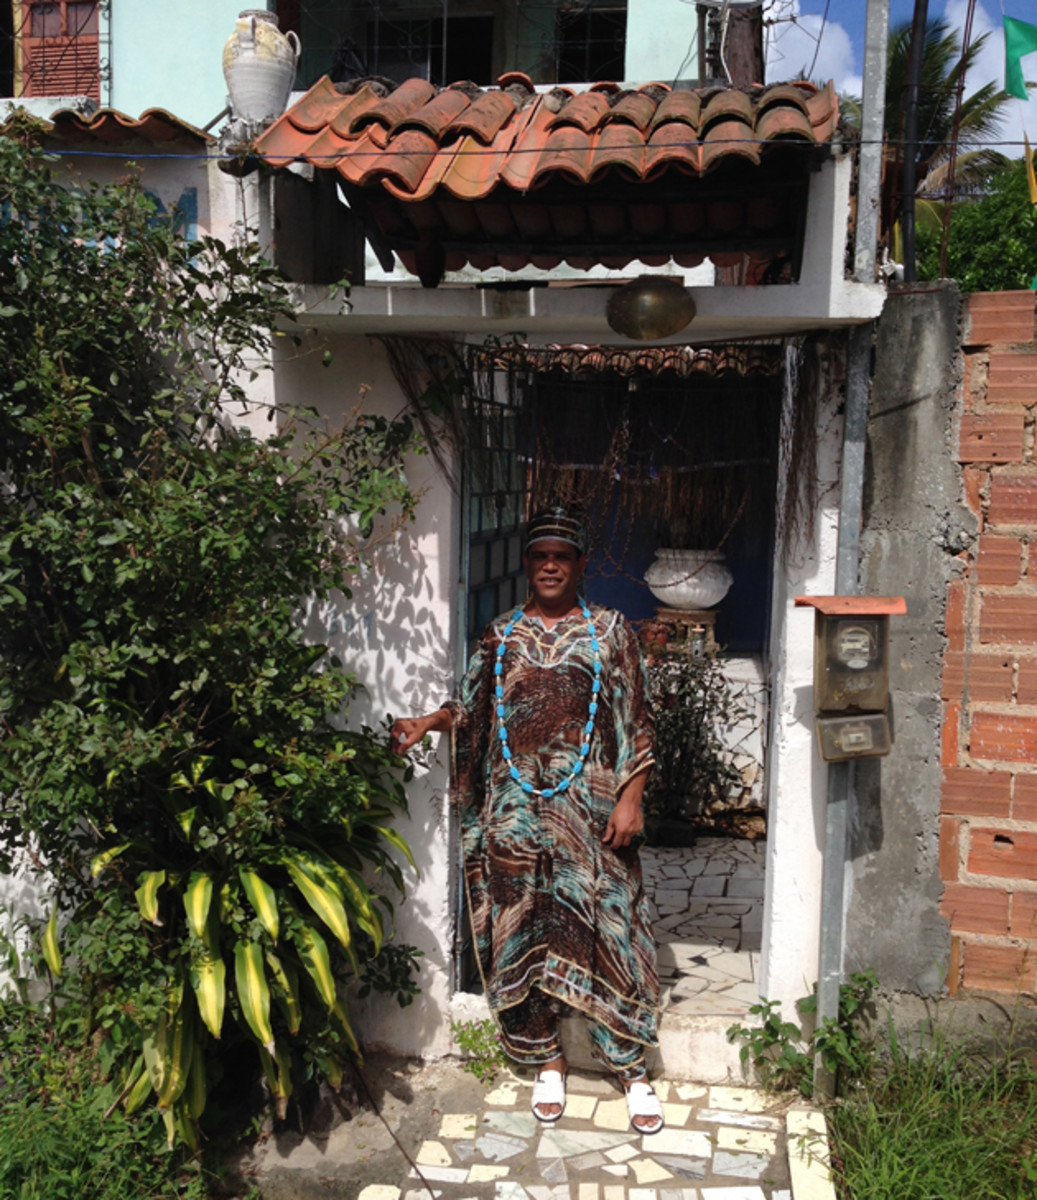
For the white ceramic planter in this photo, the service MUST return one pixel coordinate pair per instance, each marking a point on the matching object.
(259, 64)
(688, 578)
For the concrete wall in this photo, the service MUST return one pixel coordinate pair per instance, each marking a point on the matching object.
(914, 528)
(169, 55)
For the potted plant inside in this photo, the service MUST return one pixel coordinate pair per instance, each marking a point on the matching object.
(691, 703)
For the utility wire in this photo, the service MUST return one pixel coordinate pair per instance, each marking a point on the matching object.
(821, 34)
(478, 152)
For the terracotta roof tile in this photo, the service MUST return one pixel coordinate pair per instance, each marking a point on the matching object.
(644, 173)
(155, 126)
(678, 106)
(437, 115)
(344, 121)
(619, 146)
(485, 117)
(635, 108)
(585, 110)
(391, 110)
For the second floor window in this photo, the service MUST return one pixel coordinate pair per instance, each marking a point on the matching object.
(591, 43)
(57, 49)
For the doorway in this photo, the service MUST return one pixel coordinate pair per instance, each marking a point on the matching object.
(675, 446)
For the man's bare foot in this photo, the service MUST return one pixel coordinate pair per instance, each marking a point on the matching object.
(549, 1090)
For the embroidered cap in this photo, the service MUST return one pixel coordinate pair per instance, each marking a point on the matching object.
(556, 523)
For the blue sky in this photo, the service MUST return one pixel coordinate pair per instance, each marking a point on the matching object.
(800, 31)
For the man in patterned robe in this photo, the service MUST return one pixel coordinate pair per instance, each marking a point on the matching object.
(551, 749)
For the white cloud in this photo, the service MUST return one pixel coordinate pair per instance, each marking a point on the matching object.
(1020, 115)
(802, 45)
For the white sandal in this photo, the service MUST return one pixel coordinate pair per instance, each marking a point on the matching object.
(549, 1088)
(643, 1102)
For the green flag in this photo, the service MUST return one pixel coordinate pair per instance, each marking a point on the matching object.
(1020, 40)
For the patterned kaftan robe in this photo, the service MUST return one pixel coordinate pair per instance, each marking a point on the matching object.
(550, 904)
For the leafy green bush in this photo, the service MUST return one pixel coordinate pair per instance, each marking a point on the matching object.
(782, 1054)
(61, 1135)
(992, 245)
(171, 747)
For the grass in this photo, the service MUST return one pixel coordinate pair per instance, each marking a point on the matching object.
(61, 1135)
(938, 1124)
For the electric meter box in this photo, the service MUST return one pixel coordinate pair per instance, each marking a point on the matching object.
(863, 735)
(851, 673)
(851, 663)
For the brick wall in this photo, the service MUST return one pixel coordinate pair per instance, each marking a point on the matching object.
(988, 823)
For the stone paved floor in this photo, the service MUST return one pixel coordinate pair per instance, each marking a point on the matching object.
(707, 905)
(473, 1143)
(720, 1143)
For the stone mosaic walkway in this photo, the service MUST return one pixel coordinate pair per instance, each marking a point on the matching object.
(720, 1143)
(707, 905)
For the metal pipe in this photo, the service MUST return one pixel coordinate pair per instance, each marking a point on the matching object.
(873, 105)
(851, 497)
(840, 775)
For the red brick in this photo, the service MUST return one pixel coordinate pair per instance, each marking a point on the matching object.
(1024, 798)
(1009, 618)
(999, 560)
(971, 793)
(994, 437)
(997, 968)
(952, 685)
(975, 909)
(1013, 500)
(975, 480)
(989, 678)
(949, 737)
(1013, 377)
(1024, 915)
(949, 848)
(954, 967)
(1026, 688)
(954, 617)
(1007, 853)
(972, 376)
(1006, 317)
(1003, 737)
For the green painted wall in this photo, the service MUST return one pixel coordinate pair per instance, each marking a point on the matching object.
(661, 41)
(167, 54)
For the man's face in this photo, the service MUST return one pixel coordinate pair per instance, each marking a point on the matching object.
(553, 568)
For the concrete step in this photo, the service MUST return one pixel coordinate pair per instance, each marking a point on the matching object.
(691, 1048)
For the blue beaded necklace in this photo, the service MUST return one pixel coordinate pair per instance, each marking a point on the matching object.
(592, 708)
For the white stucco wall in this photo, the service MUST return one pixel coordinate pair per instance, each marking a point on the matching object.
(396, 634)
(796, 777)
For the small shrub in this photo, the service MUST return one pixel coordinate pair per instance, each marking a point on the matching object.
(479, 1043)
(691, 703)
(781, 1053)
(62, 1134)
